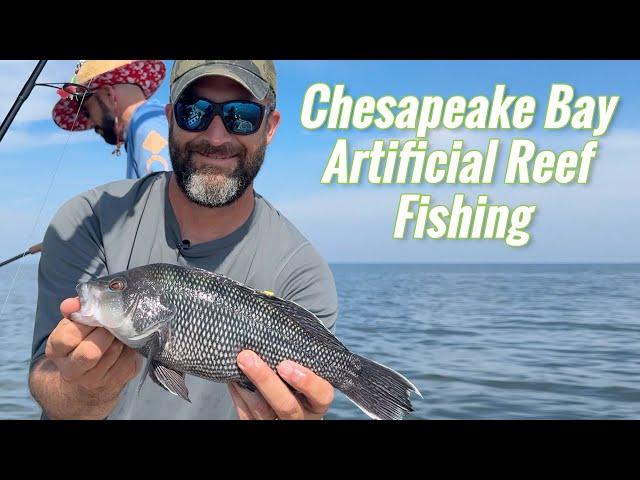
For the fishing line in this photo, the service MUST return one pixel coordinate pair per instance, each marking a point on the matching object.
(53, 178)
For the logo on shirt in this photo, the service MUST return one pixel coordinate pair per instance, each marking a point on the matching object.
(154, 143)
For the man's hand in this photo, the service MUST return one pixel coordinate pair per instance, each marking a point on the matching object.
(90, 358)
(274, 400)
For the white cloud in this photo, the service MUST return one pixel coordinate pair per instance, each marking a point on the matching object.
(574, 222)
(622, 139)
(616, 163)
(571, 224)
(20, 140)
(438, 139)
(342, 206)
(38, 106)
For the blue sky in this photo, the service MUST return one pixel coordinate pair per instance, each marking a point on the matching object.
(597, 222)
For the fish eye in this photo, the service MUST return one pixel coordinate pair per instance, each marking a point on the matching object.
(117, 285)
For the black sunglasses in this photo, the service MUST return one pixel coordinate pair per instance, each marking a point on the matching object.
(240, 117)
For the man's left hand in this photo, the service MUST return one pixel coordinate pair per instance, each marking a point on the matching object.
(273, 399)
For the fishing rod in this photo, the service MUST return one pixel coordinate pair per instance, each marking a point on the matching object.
(70, 88)
(34, 249)
(22, 96)
(6, 123)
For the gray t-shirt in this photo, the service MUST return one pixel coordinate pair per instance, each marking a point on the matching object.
(130, 223)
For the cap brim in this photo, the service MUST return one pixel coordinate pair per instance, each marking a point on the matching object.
(250, 81)
(68, 116)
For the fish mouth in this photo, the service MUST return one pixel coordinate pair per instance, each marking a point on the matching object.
(82, 289)
(85, 314)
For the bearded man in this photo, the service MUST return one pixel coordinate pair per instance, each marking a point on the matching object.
(204, 214)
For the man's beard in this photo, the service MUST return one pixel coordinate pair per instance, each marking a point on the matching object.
(107, 128)
(209, 185)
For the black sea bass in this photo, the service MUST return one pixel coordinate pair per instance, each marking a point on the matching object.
(188, 320)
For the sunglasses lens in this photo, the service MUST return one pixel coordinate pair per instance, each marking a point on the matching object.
(79, 93)
(242, 118)
(194, 116)
(74, 88)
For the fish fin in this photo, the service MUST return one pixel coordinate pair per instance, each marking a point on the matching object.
(169, 379)
(304, 317)
(153, 348)
(246, 384)
(379, 391)
(154, 343)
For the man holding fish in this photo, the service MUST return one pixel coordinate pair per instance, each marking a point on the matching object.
(205, 214)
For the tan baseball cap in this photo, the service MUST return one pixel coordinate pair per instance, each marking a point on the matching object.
(257, 76)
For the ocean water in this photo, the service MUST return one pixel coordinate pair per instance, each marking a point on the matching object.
(479, 341)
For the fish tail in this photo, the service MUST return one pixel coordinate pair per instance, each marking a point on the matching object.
(378, 391)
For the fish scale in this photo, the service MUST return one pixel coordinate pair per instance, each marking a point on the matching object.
(219, 315)
(194, 321)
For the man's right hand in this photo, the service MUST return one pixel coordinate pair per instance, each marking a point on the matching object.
(90, 358)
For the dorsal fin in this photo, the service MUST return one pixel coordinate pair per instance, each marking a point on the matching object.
(304, 317)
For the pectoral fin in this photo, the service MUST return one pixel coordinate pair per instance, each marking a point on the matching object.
(246, 384)
(153, 341)
(153, 345)
(169, 379)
